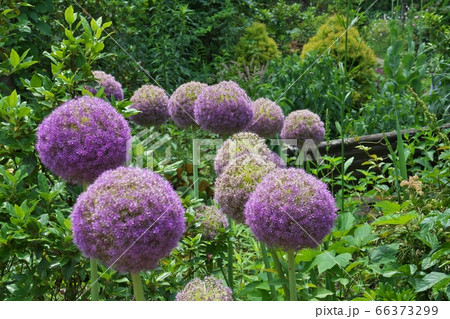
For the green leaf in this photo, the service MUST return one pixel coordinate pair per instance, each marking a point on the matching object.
(362, 235)
(306, 255)
(14, 58)
(68, 224)
(325, 261)
(13, 98)
(395, 219)
(384, 254)
(35, 81)
(348, 163)
(388, 207)
(430, 280)
(19, 211)
(322, 293)
(69, 15)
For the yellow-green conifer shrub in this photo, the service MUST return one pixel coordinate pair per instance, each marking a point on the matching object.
(361, 59)
(255, 46)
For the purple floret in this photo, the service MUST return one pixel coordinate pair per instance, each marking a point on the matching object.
(209, 289)
(241, 144)
(152, 102)
(82, 138)
(181, 103)
(303, 125)
(129, 218)
(211, 220)
(234, 186)
(110, 85)
(291, 209)
(268, 118)
(223, 108)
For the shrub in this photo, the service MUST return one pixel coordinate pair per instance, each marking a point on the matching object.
(360, 58)
(255, 46)
(378, 37)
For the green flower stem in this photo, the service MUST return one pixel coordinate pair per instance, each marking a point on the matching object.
(195, 160)
(280, 271)
(95, 289)
(273, 292)
(292, 283)
(230, 255)
(137, 285)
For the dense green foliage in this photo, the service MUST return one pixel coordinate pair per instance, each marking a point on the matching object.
(390, 241)
(360, 58)
(255, 46)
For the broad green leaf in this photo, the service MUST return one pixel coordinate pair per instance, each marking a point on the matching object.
(69, 15)
(430, 280)
(14, 58)
(395, 219)
(322, 293)
(388, 207)
(384, 254)
(13, 98)
(35, 81)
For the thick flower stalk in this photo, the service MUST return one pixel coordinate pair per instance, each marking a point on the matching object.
(129, 218)
(268, 118)
(82, 138)
(303, 125)
(211, 220)
(223, 108)
(240, 178)
(110, 85)
(209, 289)
(241, 144)
(181, 103)
(152, 102)
(290, 209)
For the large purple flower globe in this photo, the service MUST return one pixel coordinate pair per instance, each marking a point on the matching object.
(82, 138)
(181, 103)
(268, 118)
(223, 108)
(152, 102)
(208, 289)
(290, 209)
(240, 144)
(110, 85)
(234, 186)
(129, 218)
(303, 125)
(211, 220)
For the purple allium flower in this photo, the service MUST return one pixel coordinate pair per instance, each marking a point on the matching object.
(181, 103)
(303, 125)
(279, 162)
(268, 118)
(153, 103)
(290, 209)
(240, 144)
(82, 138)
(223, 108)
(211, 219)
(129, 218)
(112, 87)
(238, 181)
(209, 289)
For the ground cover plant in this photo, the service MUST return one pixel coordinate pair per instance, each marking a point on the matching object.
(170, 161)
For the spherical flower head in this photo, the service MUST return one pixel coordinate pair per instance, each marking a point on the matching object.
(181, 103)
(238, 181)
(223, 108)
(110, 85)
(303, 125)
(152, 102)
(209, 289)
(290, 209)
(268, 118)
(211, 219)
(240, 144)
(129, 218)
(279, 162)
(82, 138)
